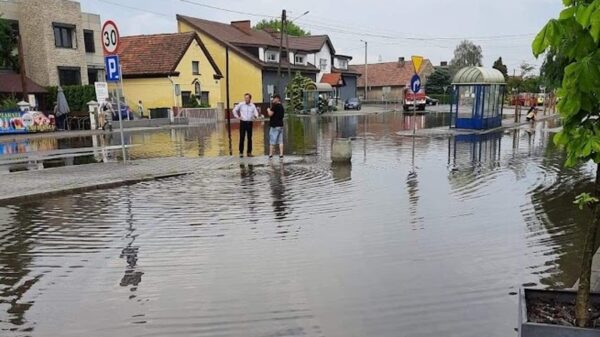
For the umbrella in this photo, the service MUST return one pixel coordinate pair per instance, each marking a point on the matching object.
(62, 106)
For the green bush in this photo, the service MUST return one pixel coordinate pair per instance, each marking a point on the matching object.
(9, 103)
(77, 96)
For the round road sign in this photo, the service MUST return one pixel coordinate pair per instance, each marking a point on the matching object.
(110, 37)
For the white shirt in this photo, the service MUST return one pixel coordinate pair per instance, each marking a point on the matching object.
(245, 111)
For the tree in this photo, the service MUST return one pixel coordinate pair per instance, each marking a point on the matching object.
(574, 38)
(500, 66)
(466, 54)
(275, 25)
(526, 69)
(553, 70)
(295, 91)
(438, 80)
(8, 45)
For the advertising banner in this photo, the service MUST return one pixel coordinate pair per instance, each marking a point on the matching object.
(14, 121)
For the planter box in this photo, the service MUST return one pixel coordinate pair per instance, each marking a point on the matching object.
(530, 329)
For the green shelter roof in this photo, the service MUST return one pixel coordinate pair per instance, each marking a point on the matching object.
(478, 75)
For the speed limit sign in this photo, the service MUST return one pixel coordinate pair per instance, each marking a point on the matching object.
(110, 37)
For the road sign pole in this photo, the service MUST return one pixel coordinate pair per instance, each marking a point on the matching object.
(121, 118)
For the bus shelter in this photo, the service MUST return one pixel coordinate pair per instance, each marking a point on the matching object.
(315, 92)
(478, 98)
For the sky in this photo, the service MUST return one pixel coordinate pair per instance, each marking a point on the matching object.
(392, 28)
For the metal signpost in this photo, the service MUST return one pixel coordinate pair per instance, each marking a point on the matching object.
(110, 44)
(415, 86)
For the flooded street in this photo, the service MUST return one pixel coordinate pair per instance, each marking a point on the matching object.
(435, 244)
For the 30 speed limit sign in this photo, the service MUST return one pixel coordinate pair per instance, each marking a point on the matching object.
(110, 37)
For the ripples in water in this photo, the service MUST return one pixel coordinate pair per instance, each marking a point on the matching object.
(430, 247)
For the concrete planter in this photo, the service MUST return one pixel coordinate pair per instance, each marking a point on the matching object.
(341, 150)
(530, 329)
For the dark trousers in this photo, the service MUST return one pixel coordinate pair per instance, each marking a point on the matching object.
(245, 130)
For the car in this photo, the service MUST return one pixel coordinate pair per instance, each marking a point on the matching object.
(431, 101)
(126, 112)
(352, 104)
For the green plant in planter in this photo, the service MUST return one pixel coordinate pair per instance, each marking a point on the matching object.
(9, 103)
(575, 37)
(295, 92)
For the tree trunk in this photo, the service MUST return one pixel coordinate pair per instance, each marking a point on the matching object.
(583, 292)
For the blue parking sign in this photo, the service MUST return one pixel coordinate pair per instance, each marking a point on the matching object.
(113, 72)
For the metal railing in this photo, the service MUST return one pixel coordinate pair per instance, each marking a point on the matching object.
(200, 115)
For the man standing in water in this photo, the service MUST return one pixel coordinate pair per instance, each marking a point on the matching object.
(246, 112)
(276, 112)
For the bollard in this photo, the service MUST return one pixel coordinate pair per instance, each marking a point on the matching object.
(341, 150)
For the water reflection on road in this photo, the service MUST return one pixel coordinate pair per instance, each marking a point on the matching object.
(372, 248)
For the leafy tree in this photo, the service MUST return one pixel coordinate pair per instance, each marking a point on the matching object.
(500, 66)
(553, 70)
(526, 69)
(8, 45)
(295, 91)
(438, 80)
(574, 37)
(275, 25)
(466, 54)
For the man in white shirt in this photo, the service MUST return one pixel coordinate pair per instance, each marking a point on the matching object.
(246, 112)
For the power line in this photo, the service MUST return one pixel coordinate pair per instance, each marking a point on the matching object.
(229, 10)
(134, 8)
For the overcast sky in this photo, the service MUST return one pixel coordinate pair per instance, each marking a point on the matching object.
(393, 28)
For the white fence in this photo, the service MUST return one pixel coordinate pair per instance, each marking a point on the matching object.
(200, 115)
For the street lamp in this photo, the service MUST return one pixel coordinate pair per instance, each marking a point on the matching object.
(366, 71)
(299, 16)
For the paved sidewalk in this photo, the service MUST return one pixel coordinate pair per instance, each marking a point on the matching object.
(23, 186)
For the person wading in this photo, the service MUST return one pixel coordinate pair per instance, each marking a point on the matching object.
(276, 112)
(246, 112)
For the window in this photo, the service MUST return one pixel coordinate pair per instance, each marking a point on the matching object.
(186, 98)
(323, 64)
(88, 39)
(343, 64)
(299, 59)
(93, 75)
(386, 91)
(63, 35)
(272, 56)
(205, 98)
(69, 76)
(196, 67)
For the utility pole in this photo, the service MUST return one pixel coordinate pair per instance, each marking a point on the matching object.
(366, 72)
(283, 17)
(287, 48)
(22, 70)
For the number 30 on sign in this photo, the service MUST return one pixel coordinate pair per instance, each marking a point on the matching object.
(110, 37)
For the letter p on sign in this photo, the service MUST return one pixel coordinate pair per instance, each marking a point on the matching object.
(113, 73)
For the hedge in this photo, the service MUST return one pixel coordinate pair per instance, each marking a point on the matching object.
(444, 99)
(77, 96)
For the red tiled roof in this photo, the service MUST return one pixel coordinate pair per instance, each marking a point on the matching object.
(388, 73)
(11, 84)
(333, 79)
(157, 55)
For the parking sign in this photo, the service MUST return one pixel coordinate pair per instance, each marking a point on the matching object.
(113, 73)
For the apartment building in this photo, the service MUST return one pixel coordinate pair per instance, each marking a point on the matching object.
(61, 45)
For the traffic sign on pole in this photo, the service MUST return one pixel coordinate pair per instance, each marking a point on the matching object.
(417, 61)
(110, 37)
(113, 71)
(415, 84)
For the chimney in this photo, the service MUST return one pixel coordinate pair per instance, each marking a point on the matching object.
(444, 64)
(244, 26)
(401, 61)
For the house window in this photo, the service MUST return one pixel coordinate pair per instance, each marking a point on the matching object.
(196, 67)
(299, 59)
(63, 35)
(69, 76)
(323, 64)
(205, 98)
(343, 64)
(93, 75)
(88, 39)
(272, 56)
(186, 98)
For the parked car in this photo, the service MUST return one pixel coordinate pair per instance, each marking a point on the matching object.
(126, 112)
(431, 101)
(352, 104)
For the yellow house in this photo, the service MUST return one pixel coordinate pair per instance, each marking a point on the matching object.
(245, 70)
(153, 66)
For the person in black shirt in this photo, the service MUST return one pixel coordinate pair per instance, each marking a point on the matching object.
(276, 113)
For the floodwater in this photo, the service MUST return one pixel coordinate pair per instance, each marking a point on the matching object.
(388, 246)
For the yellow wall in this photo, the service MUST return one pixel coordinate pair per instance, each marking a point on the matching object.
(207, 81)
(244, 76)
(158, 92)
